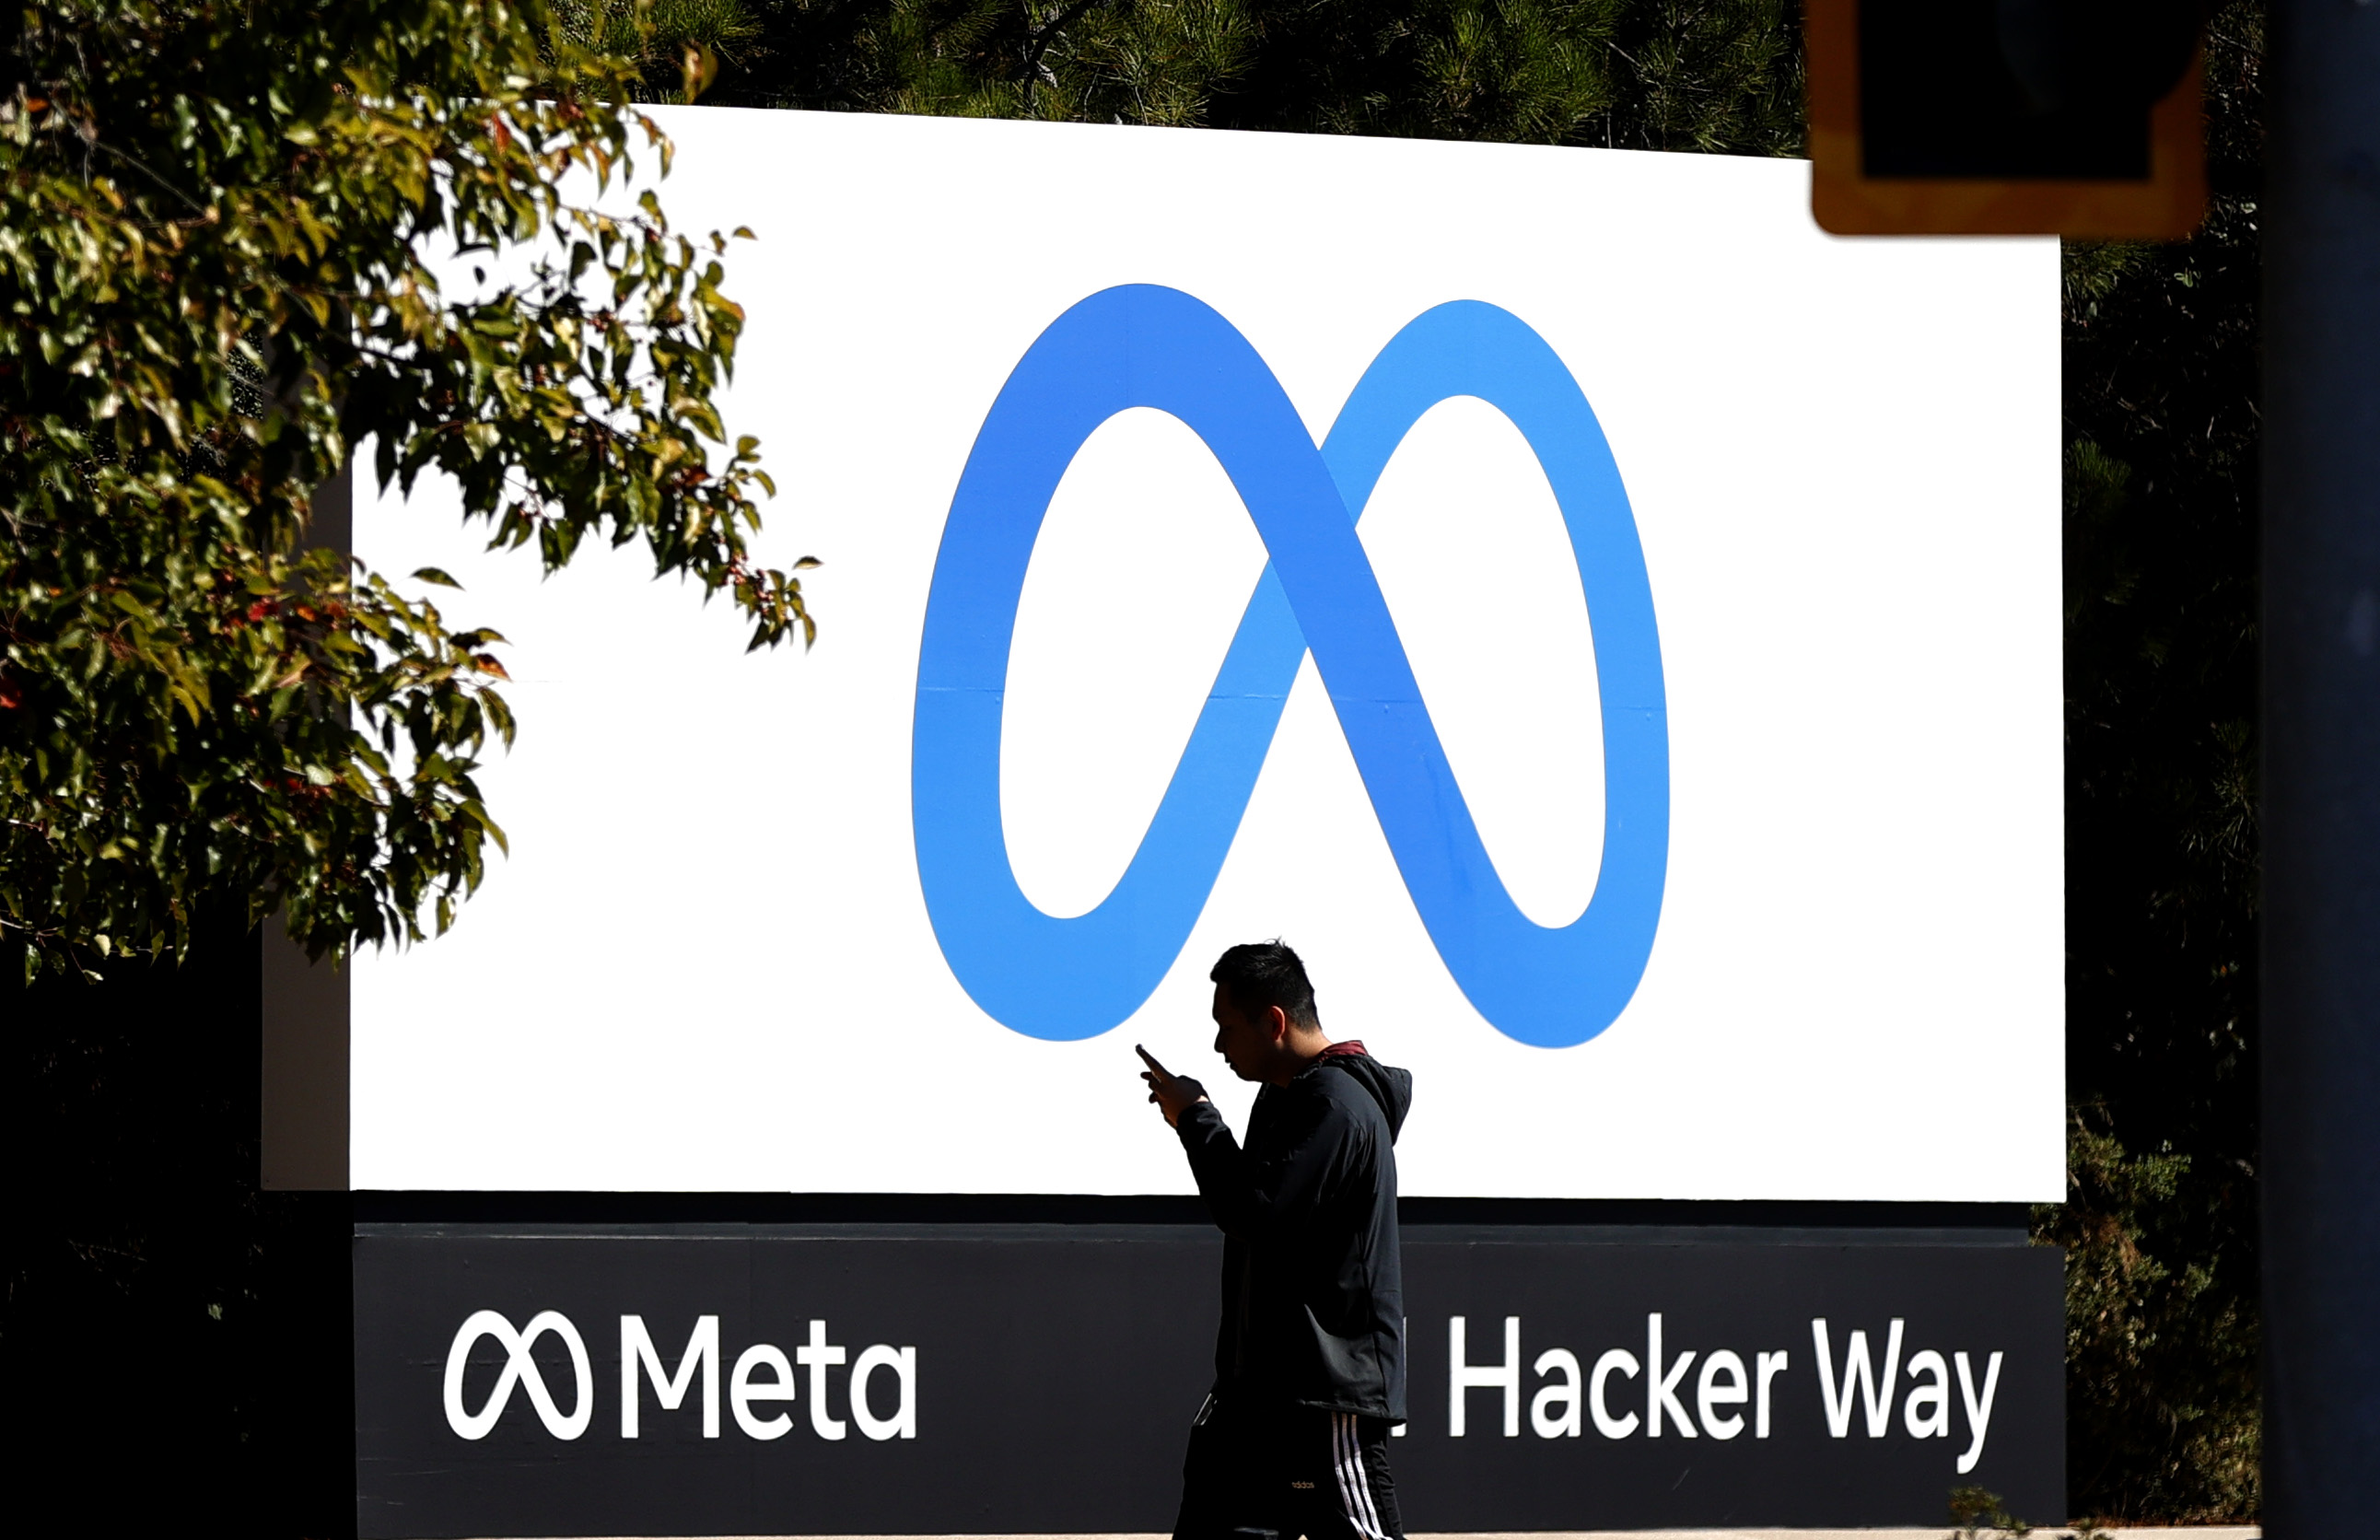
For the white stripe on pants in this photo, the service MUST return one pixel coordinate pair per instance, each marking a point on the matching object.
(1355, 1485)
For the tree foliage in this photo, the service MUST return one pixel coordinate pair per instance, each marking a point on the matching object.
(218, 225)
(2161, 482)
(675, 48)
(1639, 74)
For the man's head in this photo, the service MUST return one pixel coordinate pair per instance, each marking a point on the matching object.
(1265, 1027)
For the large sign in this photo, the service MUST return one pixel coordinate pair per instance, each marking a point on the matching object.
(1609, 626)
(1040, 1379)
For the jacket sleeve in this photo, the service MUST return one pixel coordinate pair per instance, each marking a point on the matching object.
(1256, 1194)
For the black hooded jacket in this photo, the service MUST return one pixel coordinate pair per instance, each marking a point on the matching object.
(1313, 1289)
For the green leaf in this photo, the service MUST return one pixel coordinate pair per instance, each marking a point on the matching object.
(218, 710)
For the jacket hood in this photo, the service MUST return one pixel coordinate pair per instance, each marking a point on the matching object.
(1392, 1088)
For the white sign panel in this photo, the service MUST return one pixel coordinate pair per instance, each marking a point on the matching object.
(1609, 626)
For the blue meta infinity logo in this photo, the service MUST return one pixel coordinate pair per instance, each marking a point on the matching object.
(1142, 346)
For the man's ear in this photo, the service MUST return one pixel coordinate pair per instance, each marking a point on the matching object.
(1277, 1025)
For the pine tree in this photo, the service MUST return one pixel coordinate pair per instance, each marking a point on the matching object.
(1636, 74)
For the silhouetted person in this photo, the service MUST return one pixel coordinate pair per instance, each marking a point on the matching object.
(1310, 1363)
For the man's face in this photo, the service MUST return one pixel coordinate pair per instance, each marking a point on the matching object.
(1244, 1043)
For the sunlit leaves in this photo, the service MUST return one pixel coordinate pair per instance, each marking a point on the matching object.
(219, 231)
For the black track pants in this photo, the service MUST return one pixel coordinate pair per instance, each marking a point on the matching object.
(1287, 1469)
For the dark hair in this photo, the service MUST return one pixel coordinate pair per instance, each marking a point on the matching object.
(1258, 975)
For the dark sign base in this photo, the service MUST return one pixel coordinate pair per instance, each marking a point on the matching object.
(1040, 1379)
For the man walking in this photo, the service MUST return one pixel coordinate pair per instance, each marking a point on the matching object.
(1310, 1363)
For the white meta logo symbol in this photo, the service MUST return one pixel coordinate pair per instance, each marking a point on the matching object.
(762, 1374)
(520, 1369)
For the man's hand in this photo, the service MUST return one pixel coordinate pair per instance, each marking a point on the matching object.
(1171, 1092)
